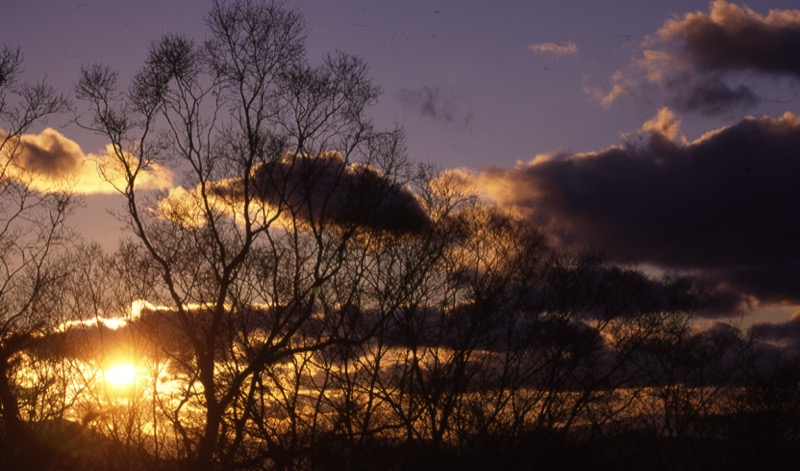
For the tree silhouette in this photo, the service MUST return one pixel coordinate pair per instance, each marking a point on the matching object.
(284, 173)
(310, 299)
(31, 227)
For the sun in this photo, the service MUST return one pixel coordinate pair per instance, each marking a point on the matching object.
(122, 375)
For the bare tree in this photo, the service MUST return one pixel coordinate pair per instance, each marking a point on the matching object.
(305, 297)
(283, 173)
(31, 227)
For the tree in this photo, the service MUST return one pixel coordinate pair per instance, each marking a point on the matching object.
(31, 227)
(307, 292)
(283, 174)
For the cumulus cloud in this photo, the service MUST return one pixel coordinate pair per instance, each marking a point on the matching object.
(724, 206)
(567, 49)
(49, 161)
(733, 38)
(328, 189)
(698, 58)
(433, 102)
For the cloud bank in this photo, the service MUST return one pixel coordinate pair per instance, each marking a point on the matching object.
(724, 206)
(49, 162)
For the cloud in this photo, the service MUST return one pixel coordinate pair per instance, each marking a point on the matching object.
(567, 49)
(733, 38)
(49, 161)
(605, 291)
(787, 332)
(432, 102)
(665, 123)
(326, 188)
(48, 154)
(698, 58)
(724, 206)
(161, 330)
(185, 207)
(711, 96)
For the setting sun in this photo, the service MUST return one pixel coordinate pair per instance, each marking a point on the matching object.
(121, 375)
(278, 234)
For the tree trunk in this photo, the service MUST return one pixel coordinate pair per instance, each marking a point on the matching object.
(20, 448)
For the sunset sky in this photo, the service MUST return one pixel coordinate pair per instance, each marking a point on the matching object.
(666, 132)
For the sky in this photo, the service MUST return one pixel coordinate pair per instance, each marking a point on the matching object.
(666, 132)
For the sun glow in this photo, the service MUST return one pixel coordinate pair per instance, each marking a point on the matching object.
(121, 375)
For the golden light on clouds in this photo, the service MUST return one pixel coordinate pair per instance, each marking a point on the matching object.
(182, 207)
(112, 323)
(606, 97)
(51, 162)
(190, 209)
(665, 123)
(729, 17)
(786, 122)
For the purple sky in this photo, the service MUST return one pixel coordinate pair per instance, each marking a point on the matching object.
(486, 87)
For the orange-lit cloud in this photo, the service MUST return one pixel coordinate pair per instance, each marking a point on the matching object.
(665, 123)
(50, 162)
(112, 323)
(184, 207)
(566, 49)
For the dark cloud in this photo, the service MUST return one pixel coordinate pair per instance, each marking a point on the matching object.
(432, 102)
(726, 205)
(787, 333)
(712, 96)
(700, 59)
(326, 188)
(733, 38)
(601, 291)
(49, 154)
(773, 282)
